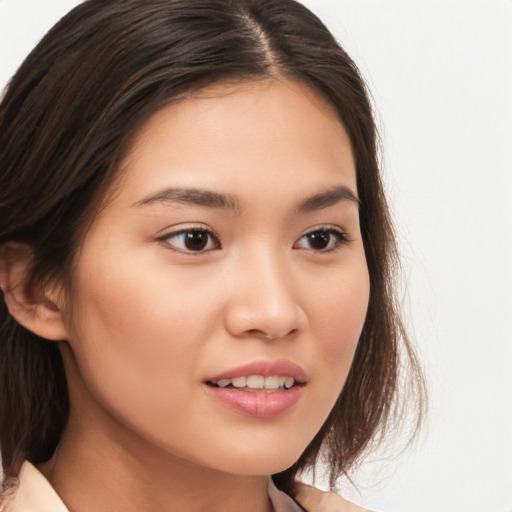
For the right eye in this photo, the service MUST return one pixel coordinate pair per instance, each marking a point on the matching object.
(192, 240)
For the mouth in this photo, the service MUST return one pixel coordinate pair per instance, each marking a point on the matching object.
(263, 389)
(257, 383)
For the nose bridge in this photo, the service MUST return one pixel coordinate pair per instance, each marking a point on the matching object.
(265, 299)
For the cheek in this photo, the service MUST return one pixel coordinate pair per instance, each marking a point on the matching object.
(341, 308)
(137, 344)
(337, 318)
(133, 332)
(120, 302)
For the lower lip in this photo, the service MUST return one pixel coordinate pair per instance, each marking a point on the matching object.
(258, 404)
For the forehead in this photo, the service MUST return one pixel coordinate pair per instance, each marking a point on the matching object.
(239, 135)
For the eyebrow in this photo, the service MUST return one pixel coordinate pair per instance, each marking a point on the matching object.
(328, 198)
(192, 196)
(209, 199)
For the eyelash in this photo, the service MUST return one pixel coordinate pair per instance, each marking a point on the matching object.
(340, 239)
(191, 231)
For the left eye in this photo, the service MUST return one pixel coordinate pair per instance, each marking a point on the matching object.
(192, 240)
(322, 240)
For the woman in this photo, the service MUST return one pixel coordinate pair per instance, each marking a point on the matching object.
(196, 259)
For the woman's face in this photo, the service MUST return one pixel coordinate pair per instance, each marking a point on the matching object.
(229, 258)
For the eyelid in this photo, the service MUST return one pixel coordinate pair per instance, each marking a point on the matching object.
(164, 239)
(341, 235)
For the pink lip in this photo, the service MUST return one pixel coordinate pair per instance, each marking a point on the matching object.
(280, 367)
(260, 404)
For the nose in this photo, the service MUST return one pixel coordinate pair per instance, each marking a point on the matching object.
(264, 300)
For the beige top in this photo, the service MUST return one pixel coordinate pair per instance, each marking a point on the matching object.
(35, 494)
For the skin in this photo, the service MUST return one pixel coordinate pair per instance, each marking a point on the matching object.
(149, 320)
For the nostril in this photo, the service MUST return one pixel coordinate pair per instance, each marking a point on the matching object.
(257, 333)
(262, 334)
(266, 323)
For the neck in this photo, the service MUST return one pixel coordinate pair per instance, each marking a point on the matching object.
(94, 471)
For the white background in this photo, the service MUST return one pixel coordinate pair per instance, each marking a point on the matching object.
(441, 76)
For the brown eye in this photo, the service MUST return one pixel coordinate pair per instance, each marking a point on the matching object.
(322, 240)
(195, 240)
(319, 240)
(192, 241)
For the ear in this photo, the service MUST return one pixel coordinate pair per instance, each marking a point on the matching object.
(38, 310)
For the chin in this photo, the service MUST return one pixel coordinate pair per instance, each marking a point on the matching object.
(254, 461)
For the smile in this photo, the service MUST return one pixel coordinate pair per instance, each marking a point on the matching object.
(257, 383)
(262, 389)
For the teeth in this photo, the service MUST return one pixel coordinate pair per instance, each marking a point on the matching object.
(289, 382)
(239, 382)
(258, 382)
(271, 382)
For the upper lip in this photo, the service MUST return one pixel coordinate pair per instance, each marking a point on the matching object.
(281, 367)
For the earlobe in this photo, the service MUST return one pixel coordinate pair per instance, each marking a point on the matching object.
(38, 310)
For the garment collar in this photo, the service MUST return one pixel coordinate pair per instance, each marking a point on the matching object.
(35, 494)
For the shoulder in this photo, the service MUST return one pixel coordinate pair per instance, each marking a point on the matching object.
(33, 494)
(315, 500)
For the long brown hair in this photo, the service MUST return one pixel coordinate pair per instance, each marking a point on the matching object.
(65, 120)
